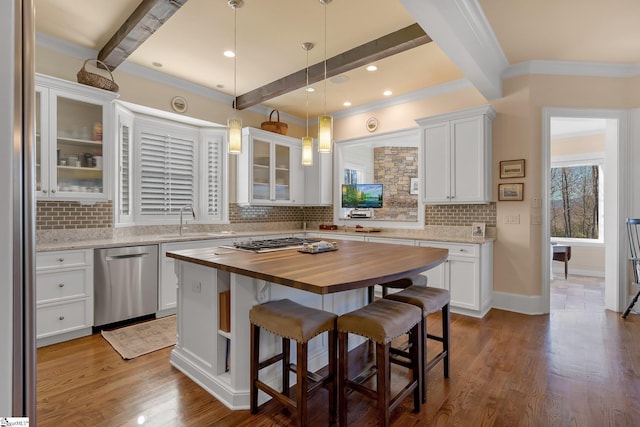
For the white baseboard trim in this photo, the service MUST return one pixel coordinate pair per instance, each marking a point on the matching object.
(525, 304)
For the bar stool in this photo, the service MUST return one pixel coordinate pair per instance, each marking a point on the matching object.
(429, 300)
(292, 321)
(380, 322)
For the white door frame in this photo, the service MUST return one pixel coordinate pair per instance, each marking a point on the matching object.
(616, 198)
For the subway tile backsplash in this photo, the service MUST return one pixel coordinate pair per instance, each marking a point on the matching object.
(65, 215)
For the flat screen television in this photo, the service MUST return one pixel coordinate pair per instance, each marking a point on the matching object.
(363, 196)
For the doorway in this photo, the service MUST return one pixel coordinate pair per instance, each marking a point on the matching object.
(571, 127)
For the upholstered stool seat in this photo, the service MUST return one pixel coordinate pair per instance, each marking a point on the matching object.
(381, 322)
(292, 321)
(429, 300)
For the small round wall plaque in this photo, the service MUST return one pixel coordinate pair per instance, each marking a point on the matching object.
(372, 124)
(179, 104)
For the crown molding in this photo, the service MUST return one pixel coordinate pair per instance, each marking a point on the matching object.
(572, 68)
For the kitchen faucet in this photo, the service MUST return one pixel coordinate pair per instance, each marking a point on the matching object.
(181, 211)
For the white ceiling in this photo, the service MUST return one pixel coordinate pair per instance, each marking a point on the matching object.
(270, 34)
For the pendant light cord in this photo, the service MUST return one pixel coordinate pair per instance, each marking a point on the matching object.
(306, 89)
(325, 59)
(235, 55)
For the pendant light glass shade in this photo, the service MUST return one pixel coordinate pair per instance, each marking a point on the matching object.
(325, 134)
(307, 151)
(235, 135)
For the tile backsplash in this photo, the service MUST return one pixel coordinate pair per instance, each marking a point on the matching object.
(65, 215)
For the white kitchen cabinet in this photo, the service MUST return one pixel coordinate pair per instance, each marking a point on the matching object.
(457, 156)
(467, 274)
(270, 170)
(318, 179)
(74, 140)
(64, 295)
(168, 281)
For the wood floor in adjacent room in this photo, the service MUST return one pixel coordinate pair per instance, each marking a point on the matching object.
(573, 367)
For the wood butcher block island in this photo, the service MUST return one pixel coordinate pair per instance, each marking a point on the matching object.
(332, 281)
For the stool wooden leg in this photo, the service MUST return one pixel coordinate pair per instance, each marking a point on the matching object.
(383, 382)
(446, 319)
(423, 356)
(255, 360)
(343, 375)
(333, 341)
(417, 362)
(286, 361)
(302, 384)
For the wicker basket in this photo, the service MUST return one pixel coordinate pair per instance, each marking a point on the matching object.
(277, 127)
(96, 80)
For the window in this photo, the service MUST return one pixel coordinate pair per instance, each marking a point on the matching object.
(174, 165)
(576, 200)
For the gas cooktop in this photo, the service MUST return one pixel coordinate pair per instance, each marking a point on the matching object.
(269, 245)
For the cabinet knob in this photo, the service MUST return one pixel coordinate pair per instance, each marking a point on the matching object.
(61, 285)
(44, 191)
(53, 191)
(61, 318)
(461, 250)
(60, 259)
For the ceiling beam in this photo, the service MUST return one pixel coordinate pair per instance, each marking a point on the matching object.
(143, 22)
(385, 46)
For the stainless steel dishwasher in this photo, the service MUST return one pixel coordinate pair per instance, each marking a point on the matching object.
(125, 283)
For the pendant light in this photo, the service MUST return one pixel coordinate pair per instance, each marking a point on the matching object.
(235, 123)
(307, 141)
(325, 122)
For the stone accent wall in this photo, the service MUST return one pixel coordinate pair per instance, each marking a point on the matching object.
(65, 215)
(393, 167)
(460, 215)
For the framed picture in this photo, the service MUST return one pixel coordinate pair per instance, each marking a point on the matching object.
(507, 192)
(477, 230)
(413, 186)
(512, 169)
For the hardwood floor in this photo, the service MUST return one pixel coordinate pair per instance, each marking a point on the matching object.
(570, 368)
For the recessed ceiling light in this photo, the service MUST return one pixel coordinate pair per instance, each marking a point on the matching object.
(339, 79)
(372, 68)
(387, 93)
(347, 104)
(157, 64)
(229, 54)
(310, 89)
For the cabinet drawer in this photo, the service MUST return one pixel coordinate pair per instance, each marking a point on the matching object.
(63, 284)
(64, 317)
(63, 259)
(455, 249)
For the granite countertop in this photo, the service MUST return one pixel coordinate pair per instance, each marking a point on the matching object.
(429, 233)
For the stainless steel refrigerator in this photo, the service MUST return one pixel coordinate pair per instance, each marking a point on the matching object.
(17, 215)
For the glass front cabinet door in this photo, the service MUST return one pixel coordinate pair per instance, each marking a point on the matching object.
(269, 169)
(74, 140)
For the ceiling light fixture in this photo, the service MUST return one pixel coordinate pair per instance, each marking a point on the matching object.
(347, 104)
(235, 123)
(325, 122)
(372, 68)
(387, 93)
(307, 141)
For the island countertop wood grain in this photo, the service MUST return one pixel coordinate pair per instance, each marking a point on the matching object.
(354, 265)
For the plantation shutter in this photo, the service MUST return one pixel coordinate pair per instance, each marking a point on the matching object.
(125, 183)
(167, 172)
(215, 179)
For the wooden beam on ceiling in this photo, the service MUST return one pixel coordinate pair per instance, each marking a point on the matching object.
(143, 22)
(383, 47)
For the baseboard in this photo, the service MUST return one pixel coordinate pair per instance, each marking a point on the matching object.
(525, 304)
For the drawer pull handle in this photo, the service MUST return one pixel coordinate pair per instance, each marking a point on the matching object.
(461, 250)
(61, 285)
(60, 259)
(61, 318)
